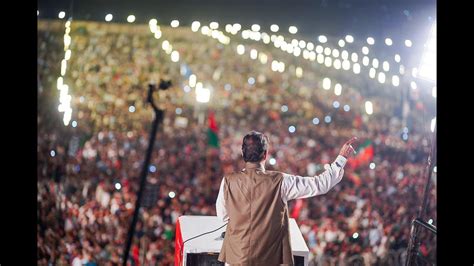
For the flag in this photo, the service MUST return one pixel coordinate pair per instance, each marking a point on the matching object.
(297, 209)
(365, 154)
(212, 131)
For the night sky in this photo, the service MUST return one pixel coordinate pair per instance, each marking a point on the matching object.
(398, 19)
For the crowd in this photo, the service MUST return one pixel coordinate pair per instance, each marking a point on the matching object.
(88, 174)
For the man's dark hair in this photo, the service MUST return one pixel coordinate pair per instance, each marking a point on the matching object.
(254, 146)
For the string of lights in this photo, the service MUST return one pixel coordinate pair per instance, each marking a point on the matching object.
(323, 54)
(64, 96)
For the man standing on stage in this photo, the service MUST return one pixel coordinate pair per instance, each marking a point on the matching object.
(254, 202)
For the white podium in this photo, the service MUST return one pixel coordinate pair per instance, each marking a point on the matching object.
(194, 251)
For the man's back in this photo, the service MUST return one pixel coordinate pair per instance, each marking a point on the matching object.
(258, 232)
(254, 201)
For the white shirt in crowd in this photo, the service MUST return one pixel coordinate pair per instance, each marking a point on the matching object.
(297, 187)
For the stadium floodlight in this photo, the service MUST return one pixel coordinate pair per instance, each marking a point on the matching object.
(109, 17)
(266, 38)
(67, 55)
(345, 55)
(294, 42)
(381, 77)
(302, 44)
(327, 51)
(165, 45)
(326, 83)
(372, 73)
(341, 43)
(263, 58)
(299, 72)
(388, 41)
(175, 56)
(63, 67)
(346, 65)
(253, 54)
(322, 39)
(174, 23)
(274, 28)
(369, 109)
(205, 30)
(202, 94)
(240, 49)
(61, 14)
(214, 25)
(293, 29)
(408, 43)
(59, 83)
(395, 80)
(354, 57)
(365, 50)
(157, 34)
(275, 65)
(427, 68)
(131, 19)
(237, 27)
(370, 41)
(296, 51)
(349, 39)
(255, 27)
(153, 21)
(281, 67)
(320, 58)
(319, 49)
(375, 63)
(365, 61)
(356, 68)
(328, 61)
(402, 70)
(397, 58)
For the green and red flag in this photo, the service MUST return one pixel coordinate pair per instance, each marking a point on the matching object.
(365, 154)
(212, 131)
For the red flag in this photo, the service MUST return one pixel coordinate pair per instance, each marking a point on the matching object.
(297, 209)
